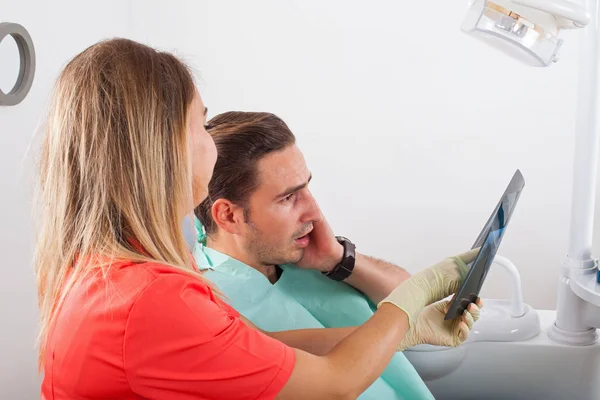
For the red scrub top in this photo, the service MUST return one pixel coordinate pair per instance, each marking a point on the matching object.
(148, 331)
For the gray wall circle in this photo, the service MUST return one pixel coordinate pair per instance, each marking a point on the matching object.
(27, 63)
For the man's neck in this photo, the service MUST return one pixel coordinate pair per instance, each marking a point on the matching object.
(233, 251)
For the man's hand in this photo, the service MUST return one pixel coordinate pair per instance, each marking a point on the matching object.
(374, 278)
(323, 251)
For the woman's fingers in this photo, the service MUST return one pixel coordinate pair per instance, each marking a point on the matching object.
(468, 319)
(463, 332)
(479, 302)
(475, 311)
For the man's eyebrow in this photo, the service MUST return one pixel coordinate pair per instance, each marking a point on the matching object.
(294, 189)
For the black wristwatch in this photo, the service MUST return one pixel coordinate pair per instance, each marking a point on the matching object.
(344, 268)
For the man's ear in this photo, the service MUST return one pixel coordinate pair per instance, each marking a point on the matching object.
(227, 216)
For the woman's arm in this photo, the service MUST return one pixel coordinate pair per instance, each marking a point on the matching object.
(361, 356)
(334, 360)
(180, 339)
(352, 364)
(319, 341)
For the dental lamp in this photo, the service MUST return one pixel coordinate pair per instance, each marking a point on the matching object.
(529, 30)
(525, 29)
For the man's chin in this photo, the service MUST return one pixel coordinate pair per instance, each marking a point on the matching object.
(294, 257)
(297, 259)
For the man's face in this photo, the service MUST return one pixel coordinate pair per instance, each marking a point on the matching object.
(281, 210)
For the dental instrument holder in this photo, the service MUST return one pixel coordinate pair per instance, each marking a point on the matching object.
(506, 320)
(517, 308)
(501, 320)
(532, 26)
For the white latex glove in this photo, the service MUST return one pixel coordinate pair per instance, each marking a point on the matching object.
(430, 285)
(431, 328)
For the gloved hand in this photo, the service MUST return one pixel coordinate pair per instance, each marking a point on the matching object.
(430, 285)
(431, 328)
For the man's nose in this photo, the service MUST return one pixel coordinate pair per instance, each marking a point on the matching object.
(312, 212)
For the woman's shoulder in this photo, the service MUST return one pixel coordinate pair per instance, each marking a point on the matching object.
(167, 276)
(177, 298)
(153, 276)
(131, 293)
(123, 283)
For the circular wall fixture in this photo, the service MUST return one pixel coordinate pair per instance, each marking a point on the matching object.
(27, 63)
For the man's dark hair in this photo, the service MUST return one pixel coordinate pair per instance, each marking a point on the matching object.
(242, 140)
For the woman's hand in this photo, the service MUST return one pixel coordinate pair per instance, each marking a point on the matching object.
(431, 285)
(431, 328)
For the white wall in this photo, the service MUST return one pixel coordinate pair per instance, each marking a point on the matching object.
(411, 128)
(59, 30)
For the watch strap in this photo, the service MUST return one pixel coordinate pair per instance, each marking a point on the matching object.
(344, 268)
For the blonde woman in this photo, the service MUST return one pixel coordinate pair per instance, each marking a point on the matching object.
(125, 313)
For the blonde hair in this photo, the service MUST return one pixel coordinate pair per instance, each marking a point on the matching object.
(114, 171)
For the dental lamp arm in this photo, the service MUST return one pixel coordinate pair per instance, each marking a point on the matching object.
(567, 14)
